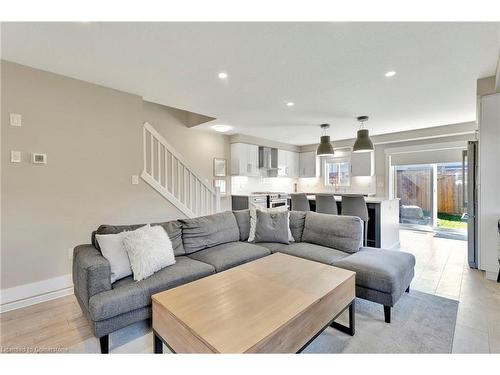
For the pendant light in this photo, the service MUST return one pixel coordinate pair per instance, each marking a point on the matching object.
(325, 147)
(363, 142)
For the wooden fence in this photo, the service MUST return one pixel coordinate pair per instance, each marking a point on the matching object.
(414, 188)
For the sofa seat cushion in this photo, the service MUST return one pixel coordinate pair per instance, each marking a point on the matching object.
(383, 270)
(273, 247)
(230, 254)
(313, 252)
(128, 295)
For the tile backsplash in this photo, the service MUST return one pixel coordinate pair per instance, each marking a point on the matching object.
(247, 185)
(358, 185)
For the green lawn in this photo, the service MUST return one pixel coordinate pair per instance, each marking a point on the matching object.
(447, 221)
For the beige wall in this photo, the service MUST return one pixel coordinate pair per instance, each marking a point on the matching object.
(92, 136)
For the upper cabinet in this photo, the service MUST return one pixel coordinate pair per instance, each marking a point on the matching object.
(307, 164)
(362, 164)
(244, 159)
(288, 163)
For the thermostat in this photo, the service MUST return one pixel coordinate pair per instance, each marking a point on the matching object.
(38, 158)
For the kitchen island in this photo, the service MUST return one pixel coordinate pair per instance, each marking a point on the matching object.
(383, 226)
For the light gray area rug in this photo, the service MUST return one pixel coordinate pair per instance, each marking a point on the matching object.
(421, 323)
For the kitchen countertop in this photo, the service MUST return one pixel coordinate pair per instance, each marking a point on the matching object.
(338, 198)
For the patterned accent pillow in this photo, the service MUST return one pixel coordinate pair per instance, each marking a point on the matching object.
(253, 218)
(272, 227)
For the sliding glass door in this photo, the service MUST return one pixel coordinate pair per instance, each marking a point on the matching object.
(413, 185)
(431, 197)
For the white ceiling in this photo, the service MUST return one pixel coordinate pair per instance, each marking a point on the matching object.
(333, 72)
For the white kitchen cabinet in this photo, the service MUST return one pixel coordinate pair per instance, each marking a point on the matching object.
(288, 163)
(244, 159)
(307, 164)
(282, 163)
(362, 164)
(293, 164)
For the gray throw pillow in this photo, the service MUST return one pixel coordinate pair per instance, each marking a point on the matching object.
(271, 227)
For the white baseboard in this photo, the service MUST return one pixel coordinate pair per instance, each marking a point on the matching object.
(491, 275)
(33, 293)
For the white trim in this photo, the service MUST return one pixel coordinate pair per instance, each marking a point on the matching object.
(37, 292)
(154, 133)
(163, 191)
(491, 275)
(426, 147)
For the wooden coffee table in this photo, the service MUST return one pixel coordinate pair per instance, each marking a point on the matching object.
(276, 304)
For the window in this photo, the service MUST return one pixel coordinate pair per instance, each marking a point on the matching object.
(337, 172)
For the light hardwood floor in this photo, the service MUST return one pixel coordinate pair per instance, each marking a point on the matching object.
(441, 270)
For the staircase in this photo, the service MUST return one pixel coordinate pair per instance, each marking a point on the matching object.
(169, 174)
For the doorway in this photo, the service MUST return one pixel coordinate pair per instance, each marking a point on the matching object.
(432, 198)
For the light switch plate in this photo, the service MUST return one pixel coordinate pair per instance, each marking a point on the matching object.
(15, 156)
(135, 180)
(16, 119)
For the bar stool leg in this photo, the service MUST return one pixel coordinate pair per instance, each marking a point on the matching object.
(365, 232)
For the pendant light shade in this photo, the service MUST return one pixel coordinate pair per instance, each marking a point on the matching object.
(363, 142)
(325, 147)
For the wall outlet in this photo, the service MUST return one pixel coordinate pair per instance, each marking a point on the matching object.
(16, 119)
(15, 156)
(135, 180)
(70, 253)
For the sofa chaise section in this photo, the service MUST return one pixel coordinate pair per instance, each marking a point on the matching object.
(381, 275)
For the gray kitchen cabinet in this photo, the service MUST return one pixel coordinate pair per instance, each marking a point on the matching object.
(307, 164)
(362, 164)
(244, 159)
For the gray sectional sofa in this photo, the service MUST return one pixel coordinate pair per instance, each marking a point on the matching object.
(210, 244)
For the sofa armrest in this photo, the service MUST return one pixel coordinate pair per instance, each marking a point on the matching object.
(91, 273)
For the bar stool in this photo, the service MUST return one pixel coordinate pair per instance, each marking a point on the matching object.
(300, 202)
(326, 204)
(355, 205)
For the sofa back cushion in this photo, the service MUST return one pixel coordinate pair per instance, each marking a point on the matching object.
(207, 231)
(297, 219)
(337, 232)
(243, 220)
(173, 229)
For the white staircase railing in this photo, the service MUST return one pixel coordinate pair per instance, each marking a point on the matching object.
(169, 174)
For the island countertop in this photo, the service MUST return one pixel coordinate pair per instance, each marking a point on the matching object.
(338, 198)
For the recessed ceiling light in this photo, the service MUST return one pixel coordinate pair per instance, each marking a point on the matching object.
(222, 75)
(390, 73)
(221, 128)
(290, 104)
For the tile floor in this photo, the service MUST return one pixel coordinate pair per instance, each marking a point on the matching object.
(442, 270)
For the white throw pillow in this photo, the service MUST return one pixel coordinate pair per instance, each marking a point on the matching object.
(112, 249)
(149, 250)
(253, 220)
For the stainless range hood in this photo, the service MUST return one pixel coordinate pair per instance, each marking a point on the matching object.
(268, 161)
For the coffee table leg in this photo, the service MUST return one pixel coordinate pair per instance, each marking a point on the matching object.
(350, 330)
(157, 344)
